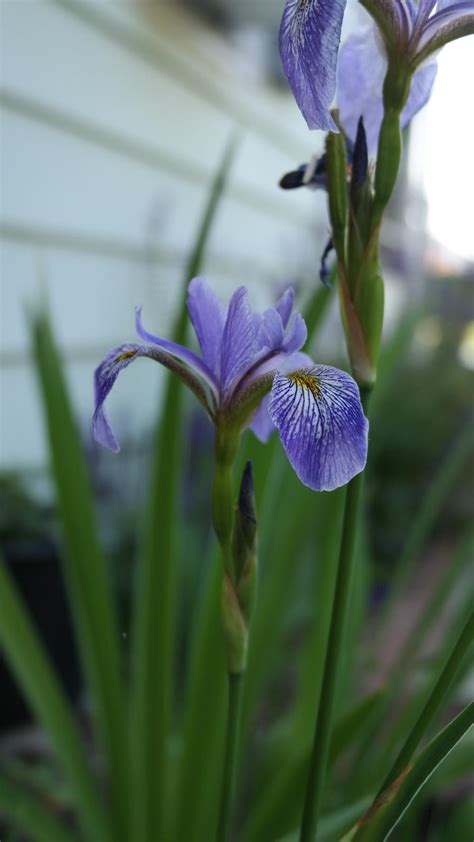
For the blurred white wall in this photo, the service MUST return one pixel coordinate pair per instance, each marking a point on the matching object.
(113, 119)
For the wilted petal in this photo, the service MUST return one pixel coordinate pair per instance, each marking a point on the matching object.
(208, 315)
(319, 416)
(180, 352)
(310, 32)
(104, 378)
(262, 425)
(239, 341)
(361, 73)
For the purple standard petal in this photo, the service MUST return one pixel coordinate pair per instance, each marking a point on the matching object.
(296, 334)
(270, 332)
(310, 33)
(208, 316)
(104, 378)
(262, 425)
(284, 305)
(239, 342)
(361, 72)
(324, 431)
(180, 352)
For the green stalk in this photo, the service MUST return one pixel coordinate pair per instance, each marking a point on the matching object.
(322, 733)
(234, 706)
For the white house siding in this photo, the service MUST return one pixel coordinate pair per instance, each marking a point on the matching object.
(114, 116)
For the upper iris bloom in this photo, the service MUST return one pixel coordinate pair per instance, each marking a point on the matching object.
(309, 44)
(315, 408)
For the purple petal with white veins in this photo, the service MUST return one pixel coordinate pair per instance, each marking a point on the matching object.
(322, 426)
(262, 425)
(284, 305)
(180, 352)
(310, 33)
(104, 378)
(361, 72)
(239, 342)
(208, 316)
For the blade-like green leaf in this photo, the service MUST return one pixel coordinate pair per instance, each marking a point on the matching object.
(369, 760)
(27, 814)
(386, 812)
(426, 517)
(431, 707)
(155, 592)
(40, 686)
(203, 731)
(333, 824)
(89, 590)
(279, 806)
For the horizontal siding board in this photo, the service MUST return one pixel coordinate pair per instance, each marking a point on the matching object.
(252, 106)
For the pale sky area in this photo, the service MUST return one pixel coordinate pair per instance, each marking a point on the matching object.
(442, 151)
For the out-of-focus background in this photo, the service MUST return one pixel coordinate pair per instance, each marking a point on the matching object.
(114, 118)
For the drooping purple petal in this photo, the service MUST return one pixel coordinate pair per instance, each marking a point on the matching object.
(310, 33)
(104, 378)
(180, 352)
(262, 425)
(239, 341)
(322, 426)
(208, 316)
(361, 72)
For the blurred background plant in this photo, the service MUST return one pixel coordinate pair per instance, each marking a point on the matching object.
(106, 204)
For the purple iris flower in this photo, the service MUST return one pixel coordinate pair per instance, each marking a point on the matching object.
(309, 45)
(253, 373)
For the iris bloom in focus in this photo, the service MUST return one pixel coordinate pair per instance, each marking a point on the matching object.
(406, 33)
(253, 373)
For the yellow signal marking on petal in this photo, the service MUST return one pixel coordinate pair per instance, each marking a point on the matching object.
(127, 355)
(306, 381)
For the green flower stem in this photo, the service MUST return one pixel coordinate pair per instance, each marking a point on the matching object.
(234, 624)
(322, 733)
(234, 706)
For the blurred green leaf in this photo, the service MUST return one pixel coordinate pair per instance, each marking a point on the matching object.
(333, 824)
(29, 815)
(155, 591)
(89, 589)
(440, 489)
(387, 811)
(203, 731)
(40, 686)
(279, 806)
(430, 708)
